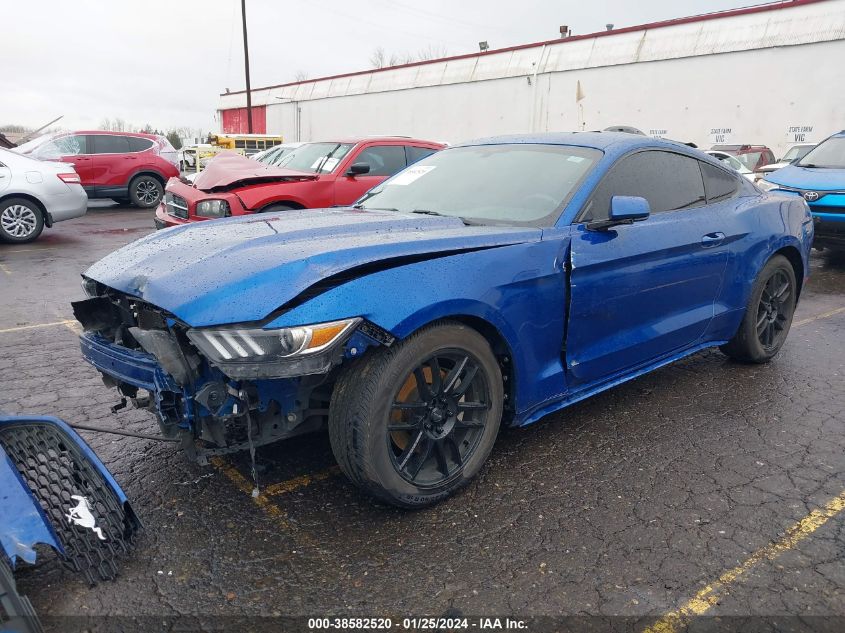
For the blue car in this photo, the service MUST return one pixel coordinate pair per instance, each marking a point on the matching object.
(55, 492)
(819, 177)
(491, 283)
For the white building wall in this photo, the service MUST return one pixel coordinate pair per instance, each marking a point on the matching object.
(748, 78)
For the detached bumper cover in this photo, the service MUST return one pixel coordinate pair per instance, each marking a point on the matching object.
(55, 491)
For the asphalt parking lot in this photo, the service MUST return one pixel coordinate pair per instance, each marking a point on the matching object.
(705, 488)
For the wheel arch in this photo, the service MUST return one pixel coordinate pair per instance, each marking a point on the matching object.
(146, 171)
(499, 343)
(794, 256)
(290, 203)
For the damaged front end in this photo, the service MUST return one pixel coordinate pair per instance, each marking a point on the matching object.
(216, 390)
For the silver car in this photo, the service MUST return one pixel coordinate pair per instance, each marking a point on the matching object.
(35, 194)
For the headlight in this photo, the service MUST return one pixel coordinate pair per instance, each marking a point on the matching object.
(90, 287)
(279, 353)
(213, 209)
(765, 185)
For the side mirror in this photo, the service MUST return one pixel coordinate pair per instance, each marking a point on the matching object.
(629, 208)
(623, 210)
(358, 169)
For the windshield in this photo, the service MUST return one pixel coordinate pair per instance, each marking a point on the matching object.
(316, 157)
(27, 147)
(519, 184)
(829, 154)
(799, 151)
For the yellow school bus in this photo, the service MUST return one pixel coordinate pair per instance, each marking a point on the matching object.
(247, 143)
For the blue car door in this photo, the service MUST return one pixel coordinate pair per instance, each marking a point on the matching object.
(642, 291)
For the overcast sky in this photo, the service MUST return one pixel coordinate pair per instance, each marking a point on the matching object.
(164, 62)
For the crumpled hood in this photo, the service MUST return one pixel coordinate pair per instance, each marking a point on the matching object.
(818, 178)
(241, 269)
(230, 169)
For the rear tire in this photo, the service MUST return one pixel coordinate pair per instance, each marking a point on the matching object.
(145, 191)
(768, 316)
(21, 220)
(409, 444)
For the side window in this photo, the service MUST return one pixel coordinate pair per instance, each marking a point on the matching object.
(718, 183)
(138, 144)
(413, 154)
(384, 160)
(668, 181)
(110, 144)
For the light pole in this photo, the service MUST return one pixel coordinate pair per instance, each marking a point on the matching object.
(246, 71)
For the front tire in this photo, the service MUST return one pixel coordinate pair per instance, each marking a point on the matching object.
(412, 423)
(768, 315)
(145, 191)
(21, 221)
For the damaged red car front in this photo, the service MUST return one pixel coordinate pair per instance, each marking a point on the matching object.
(315, 175)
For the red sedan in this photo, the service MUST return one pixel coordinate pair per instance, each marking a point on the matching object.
(315, 175)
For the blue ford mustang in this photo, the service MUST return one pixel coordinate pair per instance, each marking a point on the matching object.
(490, 283)
(819, 178)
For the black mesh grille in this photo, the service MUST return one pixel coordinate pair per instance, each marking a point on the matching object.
(56, 470)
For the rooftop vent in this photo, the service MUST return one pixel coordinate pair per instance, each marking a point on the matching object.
(565, 31)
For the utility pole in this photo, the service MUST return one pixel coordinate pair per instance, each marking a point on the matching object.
(246, 70)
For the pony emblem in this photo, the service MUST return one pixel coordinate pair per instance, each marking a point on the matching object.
(81, 515)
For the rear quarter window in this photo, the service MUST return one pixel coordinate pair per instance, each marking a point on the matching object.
(719, 184)
(137, 144)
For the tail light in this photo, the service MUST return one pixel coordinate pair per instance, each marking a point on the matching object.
(70, 179)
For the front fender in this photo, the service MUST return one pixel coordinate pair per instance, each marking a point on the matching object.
(520, 290)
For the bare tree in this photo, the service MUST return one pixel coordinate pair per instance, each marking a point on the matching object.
(301, 75)
(379, 59)
(114, 125)
(432, 52)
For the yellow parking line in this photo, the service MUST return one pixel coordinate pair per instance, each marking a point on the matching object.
(31, 250)
(5, 270)
(275, 512)
(823, 315)
(66, 322)
(283, 487)
(710, 595)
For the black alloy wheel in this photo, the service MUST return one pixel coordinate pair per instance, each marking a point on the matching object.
(438, 418)
(774, 311)
(412, 423)
(768, 315)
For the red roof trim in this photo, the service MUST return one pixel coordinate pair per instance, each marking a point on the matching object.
(760, 8)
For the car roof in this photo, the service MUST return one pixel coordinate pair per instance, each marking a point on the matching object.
(620, 141)
(369, 139)
(99, 132)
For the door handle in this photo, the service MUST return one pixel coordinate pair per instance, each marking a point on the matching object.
(712, 239)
